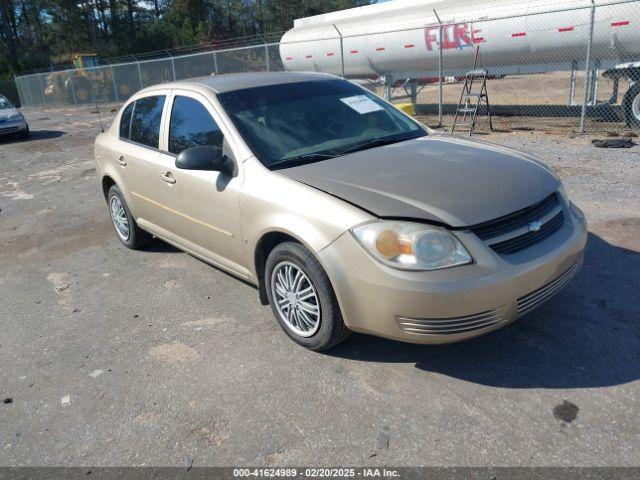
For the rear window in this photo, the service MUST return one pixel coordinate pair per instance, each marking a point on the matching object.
(125, 122)
(145, 121)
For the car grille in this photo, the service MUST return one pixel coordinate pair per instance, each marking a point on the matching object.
(541, 295)
(453, 325)
(515, 232)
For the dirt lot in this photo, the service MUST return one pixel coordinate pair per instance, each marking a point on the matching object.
(115, 357)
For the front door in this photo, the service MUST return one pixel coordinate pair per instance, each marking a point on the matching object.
(202, 207)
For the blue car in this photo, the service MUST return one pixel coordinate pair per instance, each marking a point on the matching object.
(11, 119)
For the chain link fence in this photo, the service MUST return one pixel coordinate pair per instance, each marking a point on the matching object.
(8, 89)
(572, 64)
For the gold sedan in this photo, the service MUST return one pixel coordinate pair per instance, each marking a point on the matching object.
(347, 214)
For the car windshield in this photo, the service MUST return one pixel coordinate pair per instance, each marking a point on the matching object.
(291, 124)
(4, 103)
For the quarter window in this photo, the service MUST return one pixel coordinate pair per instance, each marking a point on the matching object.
(192, 126)
(145, 121)
(125, 121)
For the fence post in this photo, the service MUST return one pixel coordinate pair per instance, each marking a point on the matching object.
(587, 68)
(115, 86)
(341, 49)
(30, 92)
(27, 93)
(215, 62)
(139, 74)
(266, 53)
(388, 88)
(439, 69)
(44, 101)
(173, 66)
(20, 94)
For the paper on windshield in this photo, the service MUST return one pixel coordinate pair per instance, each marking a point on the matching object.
(361, 104)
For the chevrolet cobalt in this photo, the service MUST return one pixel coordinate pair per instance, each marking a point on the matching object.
(347, 214)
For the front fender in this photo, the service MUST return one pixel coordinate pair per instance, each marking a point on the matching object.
(271, 202)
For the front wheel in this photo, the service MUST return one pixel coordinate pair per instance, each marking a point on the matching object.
(631, 106)
(26, 133)
(302, 298)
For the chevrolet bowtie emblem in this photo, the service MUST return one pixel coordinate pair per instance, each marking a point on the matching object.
(535, 226)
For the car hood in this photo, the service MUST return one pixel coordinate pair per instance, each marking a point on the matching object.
(438, 179)
(8, 112)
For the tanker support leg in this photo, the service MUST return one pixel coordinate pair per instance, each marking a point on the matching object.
(388, 88)
(413, 89)
(572, 83)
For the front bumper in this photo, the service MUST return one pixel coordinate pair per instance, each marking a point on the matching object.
(453, 304)
(7, 127)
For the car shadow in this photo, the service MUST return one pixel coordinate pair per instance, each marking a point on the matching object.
(35, 135)
(587, 336)
(157, 245)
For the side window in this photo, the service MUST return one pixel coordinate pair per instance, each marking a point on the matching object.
(125, 122)
(145, 122)
(191, 125)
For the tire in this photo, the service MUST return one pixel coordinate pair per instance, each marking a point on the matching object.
(631, 106)
(134, 237)
(79, 90)
(315, 332)
(124, 90)
(26, 133)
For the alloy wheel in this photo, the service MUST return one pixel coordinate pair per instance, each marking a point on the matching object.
(296, 299)
(119, 218)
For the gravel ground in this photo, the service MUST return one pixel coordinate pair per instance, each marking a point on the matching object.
(115, 357)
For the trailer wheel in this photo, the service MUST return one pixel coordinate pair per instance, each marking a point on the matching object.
(631, 106)
(77, 90)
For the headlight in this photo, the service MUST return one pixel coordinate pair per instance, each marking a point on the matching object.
(15, 115)
(563, 192)
(411, 246)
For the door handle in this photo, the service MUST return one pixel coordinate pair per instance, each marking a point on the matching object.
(121, 161)
(167, 177)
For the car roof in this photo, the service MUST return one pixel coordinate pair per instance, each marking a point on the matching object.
(239, 81)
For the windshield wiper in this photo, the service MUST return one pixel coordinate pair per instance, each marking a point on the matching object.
(317, 157)
(376, 142)
(301, 160)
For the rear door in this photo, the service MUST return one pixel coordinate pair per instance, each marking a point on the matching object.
(139, 155)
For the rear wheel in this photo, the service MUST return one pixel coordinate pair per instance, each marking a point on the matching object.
(126, 227)
(631, 106)
(302, 298)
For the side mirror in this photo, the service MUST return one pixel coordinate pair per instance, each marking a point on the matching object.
(205, 158)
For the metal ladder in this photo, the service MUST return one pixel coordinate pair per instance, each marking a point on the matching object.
(470, 101)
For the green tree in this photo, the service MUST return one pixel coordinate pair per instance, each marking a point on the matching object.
(38, 33)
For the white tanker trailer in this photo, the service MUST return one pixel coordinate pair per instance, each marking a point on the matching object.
(401, 40)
